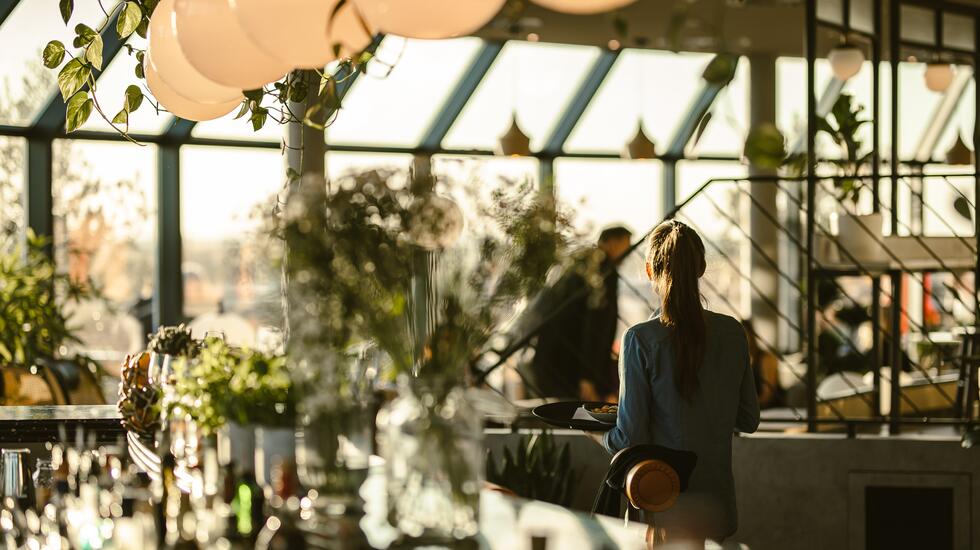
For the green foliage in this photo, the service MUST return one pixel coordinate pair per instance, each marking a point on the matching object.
(353, 257)
(72, 77)
(176, 341)
(226, 384)
(536, 469)
(129, 19)
(765, 146)
(66, 7)
(33, 295)
(721, 69)
(54, 54)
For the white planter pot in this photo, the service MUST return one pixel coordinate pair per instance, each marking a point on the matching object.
(236, 445)
(272, 446)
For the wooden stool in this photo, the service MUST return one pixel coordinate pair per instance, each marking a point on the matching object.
(652, 485)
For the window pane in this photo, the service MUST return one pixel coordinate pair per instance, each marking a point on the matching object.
(611, 192)
(635, 88)
(396, 108)
(342, 163)
(728, 126)
(26, 84)
(534, 79)
(13, 151)
(231, 278)
(459, 169)
(104, 208)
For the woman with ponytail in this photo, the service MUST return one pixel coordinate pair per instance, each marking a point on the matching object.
(687, 384)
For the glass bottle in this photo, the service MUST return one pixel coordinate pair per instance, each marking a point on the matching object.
(281, 531)
(432, 445)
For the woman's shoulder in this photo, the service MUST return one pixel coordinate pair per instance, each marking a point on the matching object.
(649, 332)
(722, 321)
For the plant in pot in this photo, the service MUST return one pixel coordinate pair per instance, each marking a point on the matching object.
(537, 468)
(357, 254)
(167, 344)
(34, 327)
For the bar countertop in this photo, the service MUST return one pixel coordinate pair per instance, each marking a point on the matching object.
(40, 423)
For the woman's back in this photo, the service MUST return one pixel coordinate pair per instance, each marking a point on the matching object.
(652, 410)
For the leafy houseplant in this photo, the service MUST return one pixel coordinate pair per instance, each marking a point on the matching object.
(175, 341)
(34, 327)
(537, 468)
(356, 255)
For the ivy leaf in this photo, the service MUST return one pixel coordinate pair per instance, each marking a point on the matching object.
(66, 7)
(134, 98)
(258, 118)
(129, 19)
(122, 117)
(139, 71)
(84, 35)
(242, 110)
(93, 54)
(54, 54)
(143, 27)
(72, 77)
(254, 95)
(79, 109)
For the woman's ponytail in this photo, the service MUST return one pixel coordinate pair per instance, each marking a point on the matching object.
(675, 262)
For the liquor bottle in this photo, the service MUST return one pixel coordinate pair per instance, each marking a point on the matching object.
(281, 531)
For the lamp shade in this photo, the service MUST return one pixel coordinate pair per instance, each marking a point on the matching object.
(180, 105)
(938, 76)
(302, 33)
(428, 18)
(173, 68)
(845, 61)
(216, 45)
(959, 154)
(583, 7)
(640, 147)
(514, 142)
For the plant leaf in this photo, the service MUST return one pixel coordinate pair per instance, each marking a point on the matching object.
(134, 98)
(258, 118)
(962, 207)
(129, 19)
(93, 54)
(72, 77)
(66, 7)
(122, 117)
(54, 54)
(84, 35)
(79, 109)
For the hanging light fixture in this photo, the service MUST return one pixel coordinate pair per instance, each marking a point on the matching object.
(583, 7)
(437, 221)
(181, 106)
(845, 60)
(514, 142)
(173, 68)
(432, 19)
(938, 76)
(216, 45)
(640, 147)
(959, 154)
(297, 32)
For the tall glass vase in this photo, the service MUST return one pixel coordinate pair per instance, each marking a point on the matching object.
(434, 459)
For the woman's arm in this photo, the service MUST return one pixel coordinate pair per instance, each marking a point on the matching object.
(633, 421)
(747, 416)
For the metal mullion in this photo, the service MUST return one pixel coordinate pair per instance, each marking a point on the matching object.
(38, 198)
(580, 102)
(6, 7)
(168, 295)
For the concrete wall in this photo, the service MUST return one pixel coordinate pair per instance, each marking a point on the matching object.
(806, 491)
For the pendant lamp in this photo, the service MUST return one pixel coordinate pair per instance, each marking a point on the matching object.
(640, 147)
(959, 154)
(432, 19)
(938, 76)
(298, 32)
(172, 67)
(211, 38)
(437, 221)
(514, 142)
(583, 7)
(181, 106)
(845, 61)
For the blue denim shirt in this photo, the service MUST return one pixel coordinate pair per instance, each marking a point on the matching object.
(652, 411)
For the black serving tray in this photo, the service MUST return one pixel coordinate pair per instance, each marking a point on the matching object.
(559, 414)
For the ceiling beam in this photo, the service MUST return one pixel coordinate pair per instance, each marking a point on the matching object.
(457, 100)
(51, 121)
(6, 6)
(579, 103)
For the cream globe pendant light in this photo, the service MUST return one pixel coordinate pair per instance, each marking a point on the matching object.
(846, 60)
(938, 76)
(181, 106)
(298, 32)
(216, 45)
(432, 19)
(583, 7)
(173, 68)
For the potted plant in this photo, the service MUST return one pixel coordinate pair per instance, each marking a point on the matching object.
(355, 257)
(167, 344)
(34, 327)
